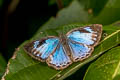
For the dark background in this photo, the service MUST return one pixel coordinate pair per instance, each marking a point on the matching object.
(20, 24)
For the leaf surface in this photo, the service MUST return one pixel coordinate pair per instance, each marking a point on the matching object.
(23, 67)
(107, 67)
(109, 14)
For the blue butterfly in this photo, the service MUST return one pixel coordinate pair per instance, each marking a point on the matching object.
(60, 52)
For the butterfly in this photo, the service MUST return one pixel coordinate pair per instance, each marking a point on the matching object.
(60, 52)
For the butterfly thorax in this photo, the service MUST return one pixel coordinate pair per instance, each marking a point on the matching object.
(64, 40)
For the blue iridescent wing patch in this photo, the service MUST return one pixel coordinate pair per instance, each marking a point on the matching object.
(41, 49)
(59, 59)
(79, 51)
(82, 41)
(89, 35)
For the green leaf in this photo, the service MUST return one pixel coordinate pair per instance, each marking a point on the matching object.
(2, 65)
(107, 67)
(95, 5)
(75, 13)
(22, 66)
(109, 14)
(116, 24)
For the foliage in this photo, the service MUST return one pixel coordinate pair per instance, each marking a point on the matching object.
(104, 61)
(106, 67)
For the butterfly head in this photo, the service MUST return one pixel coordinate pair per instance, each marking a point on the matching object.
(63, 38)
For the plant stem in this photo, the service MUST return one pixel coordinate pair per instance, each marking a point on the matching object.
(59, 4)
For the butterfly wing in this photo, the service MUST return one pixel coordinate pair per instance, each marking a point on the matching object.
(41, 49)
(79, 51)
(59, 59)
(89, 35)
(82, 41)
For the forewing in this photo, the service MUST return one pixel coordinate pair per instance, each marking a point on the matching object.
(59, 58)
(41, 49)
(89, 35)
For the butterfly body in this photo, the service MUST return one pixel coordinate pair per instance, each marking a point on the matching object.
(60, 52)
